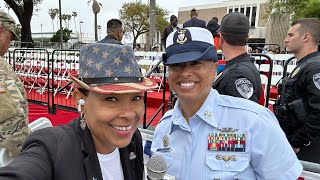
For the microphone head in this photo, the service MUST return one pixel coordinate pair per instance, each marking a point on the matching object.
(156, 167)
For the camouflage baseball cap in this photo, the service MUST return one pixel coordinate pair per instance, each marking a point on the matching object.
(9, 23)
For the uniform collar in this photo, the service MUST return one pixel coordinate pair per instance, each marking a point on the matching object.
(207, 113)
(311, 55)
(241, 58)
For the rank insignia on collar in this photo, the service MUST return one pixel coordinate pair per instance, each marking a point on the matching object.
(227, 142)
(182, 36)
(165, 141)
(295, 72)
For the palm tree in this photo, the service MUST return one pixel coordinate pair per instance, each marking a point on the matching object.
(74, 15)
(57, 15)
(68, 18)
(64, 18)
(95, 9)
(52, 14)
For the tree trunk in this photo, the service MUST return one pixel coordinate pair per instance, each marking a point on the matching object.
(96, 27)
(24, 14)
(52, 26)
(134, 42)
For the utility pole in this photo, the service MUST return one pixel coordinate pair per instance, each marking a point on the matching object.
(152, 22)
(80, 32)
(61, 29)
(41, 36)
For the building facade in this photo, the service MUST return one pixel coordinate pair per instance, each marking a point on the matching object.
(263, 29)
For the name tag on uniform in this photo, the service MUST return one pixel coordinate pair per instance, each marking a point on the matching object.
(166, 149)
(226, 142)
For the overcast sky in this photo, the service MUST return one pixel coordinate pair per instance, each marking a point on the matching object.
(109, 10)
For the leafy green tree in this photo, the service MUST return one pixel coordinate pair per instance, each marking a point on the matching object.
(135, 18)
(24, 10)
(298, 8)
(65, 33)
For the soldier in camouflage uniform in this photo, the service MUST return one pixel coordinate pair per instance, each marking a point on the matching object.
(13, 101)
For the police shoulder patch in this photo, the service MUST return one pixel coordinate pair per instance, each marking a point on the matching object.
(316, 80)
(244, 87)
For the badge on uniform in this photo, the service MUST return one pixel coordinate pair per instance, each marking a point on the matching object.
(181, 36)
(132, 155)
(227, 142)
(295, 72)
(316, 80)
(165, 143)
(244, 87)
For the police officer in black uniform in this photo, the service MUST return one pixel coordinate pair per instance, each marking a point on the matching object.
(240, 77)
(298, 108)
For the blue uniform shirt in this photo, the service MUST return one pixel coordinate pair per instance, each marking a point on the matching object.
(245, 139)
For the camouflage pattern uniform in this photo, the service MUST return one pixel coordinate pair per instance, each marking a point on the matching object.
(13, 101)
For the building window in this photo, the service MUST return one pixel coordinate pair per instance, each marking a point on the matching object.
(253, 17)
(230, 10)
(242, 10)
(248, 12)
(236, 9)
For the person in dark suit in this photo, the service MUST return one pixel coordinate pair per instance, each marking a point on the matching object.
(194, 21)
(114, 32)
(104, 142)
(173, 26)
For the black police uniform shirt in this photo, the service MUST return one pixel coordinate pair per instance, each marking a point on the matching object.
(240, 80)
(307, 86)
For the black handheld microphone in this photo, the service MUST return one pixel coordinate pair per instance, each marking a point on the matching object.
(156, 168)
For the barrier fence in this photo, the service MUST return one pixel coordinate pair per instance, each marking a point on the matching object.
(33, 67)
(46, 75)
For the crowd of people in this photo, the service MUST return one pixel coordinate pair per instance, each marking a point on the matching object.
(216, 130)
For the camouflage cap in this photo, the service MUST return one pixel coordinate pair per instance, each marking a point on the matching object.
(9, 23)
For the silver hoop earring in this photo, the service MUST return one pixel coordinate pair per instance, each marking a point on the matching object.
(83, 123)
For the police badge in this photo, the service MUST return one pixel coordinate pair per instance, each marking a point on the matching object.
(244, 87)
(316, 80)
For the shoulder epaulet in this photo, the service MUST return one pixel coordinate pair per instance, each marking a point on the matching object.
(166, 115)
(239, 103)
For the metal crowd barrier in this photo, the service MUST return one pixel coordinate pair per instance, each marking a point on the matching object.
(32, 67)
(64, 64)
(269, 76)
(46, 75)
(162, 106)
